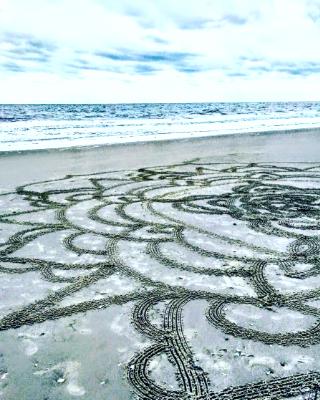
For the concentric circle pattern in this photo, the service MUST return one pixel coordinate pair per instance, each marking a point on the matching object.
(237, 237)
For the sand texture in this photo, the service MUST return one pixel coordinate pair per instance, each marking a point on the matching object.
(194, 279)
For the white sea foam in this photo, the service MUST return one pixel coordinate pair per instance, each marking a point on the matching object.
(46, 127)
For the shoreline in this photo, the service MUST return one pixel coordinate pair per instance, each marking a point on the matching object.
(159, 139)
(18, 168)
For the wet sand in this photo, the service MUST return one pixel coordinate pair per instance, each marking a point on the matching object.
(168, 270)
(297, 146)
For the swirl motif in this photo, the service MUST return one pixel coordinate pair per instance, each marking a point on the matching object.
(180, 233)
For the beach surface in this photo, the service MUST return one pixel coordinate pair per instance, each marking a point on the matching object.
(162, 270)
(292, 146)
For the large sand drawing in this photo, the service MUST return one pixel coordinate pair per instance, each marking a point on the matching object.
(235, 245)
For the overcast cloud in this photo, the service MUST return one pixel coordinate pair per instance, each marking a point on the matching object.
(159, 50)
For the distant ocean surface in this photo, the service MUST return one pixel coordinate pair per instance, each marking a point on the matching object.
(29, 127)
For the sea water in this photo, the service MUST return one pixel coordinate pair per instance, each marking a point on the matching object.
(31, 127)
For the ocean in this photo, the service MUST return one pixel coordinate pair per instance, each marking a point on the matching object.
(32, 127)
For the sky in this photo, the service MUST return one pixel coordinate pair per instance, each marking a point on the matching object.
(113, 51)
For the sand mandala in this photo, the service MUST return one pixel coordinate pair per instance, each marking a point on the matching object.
(218, 262)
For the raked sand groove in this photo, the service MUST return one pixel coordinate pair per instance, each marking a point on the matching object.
(237, 244)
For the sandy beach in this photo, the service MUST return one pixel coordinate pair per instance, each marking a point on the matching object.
(159, 200)
(300, 146)
(163, 270)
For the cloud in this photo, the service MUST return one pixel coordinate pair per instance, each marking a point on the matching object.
(77, 67)
(12, 67)
(162, 57)
(151, 62)
(167, 50)
(237, 74)
(26, 43)
(207, 23)
(303, 69)
(195, 23)
(22, 52)
(234, 19)
(313, 10)
(157, 40)
(282, 67)
(145, 69)
(189, 70)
